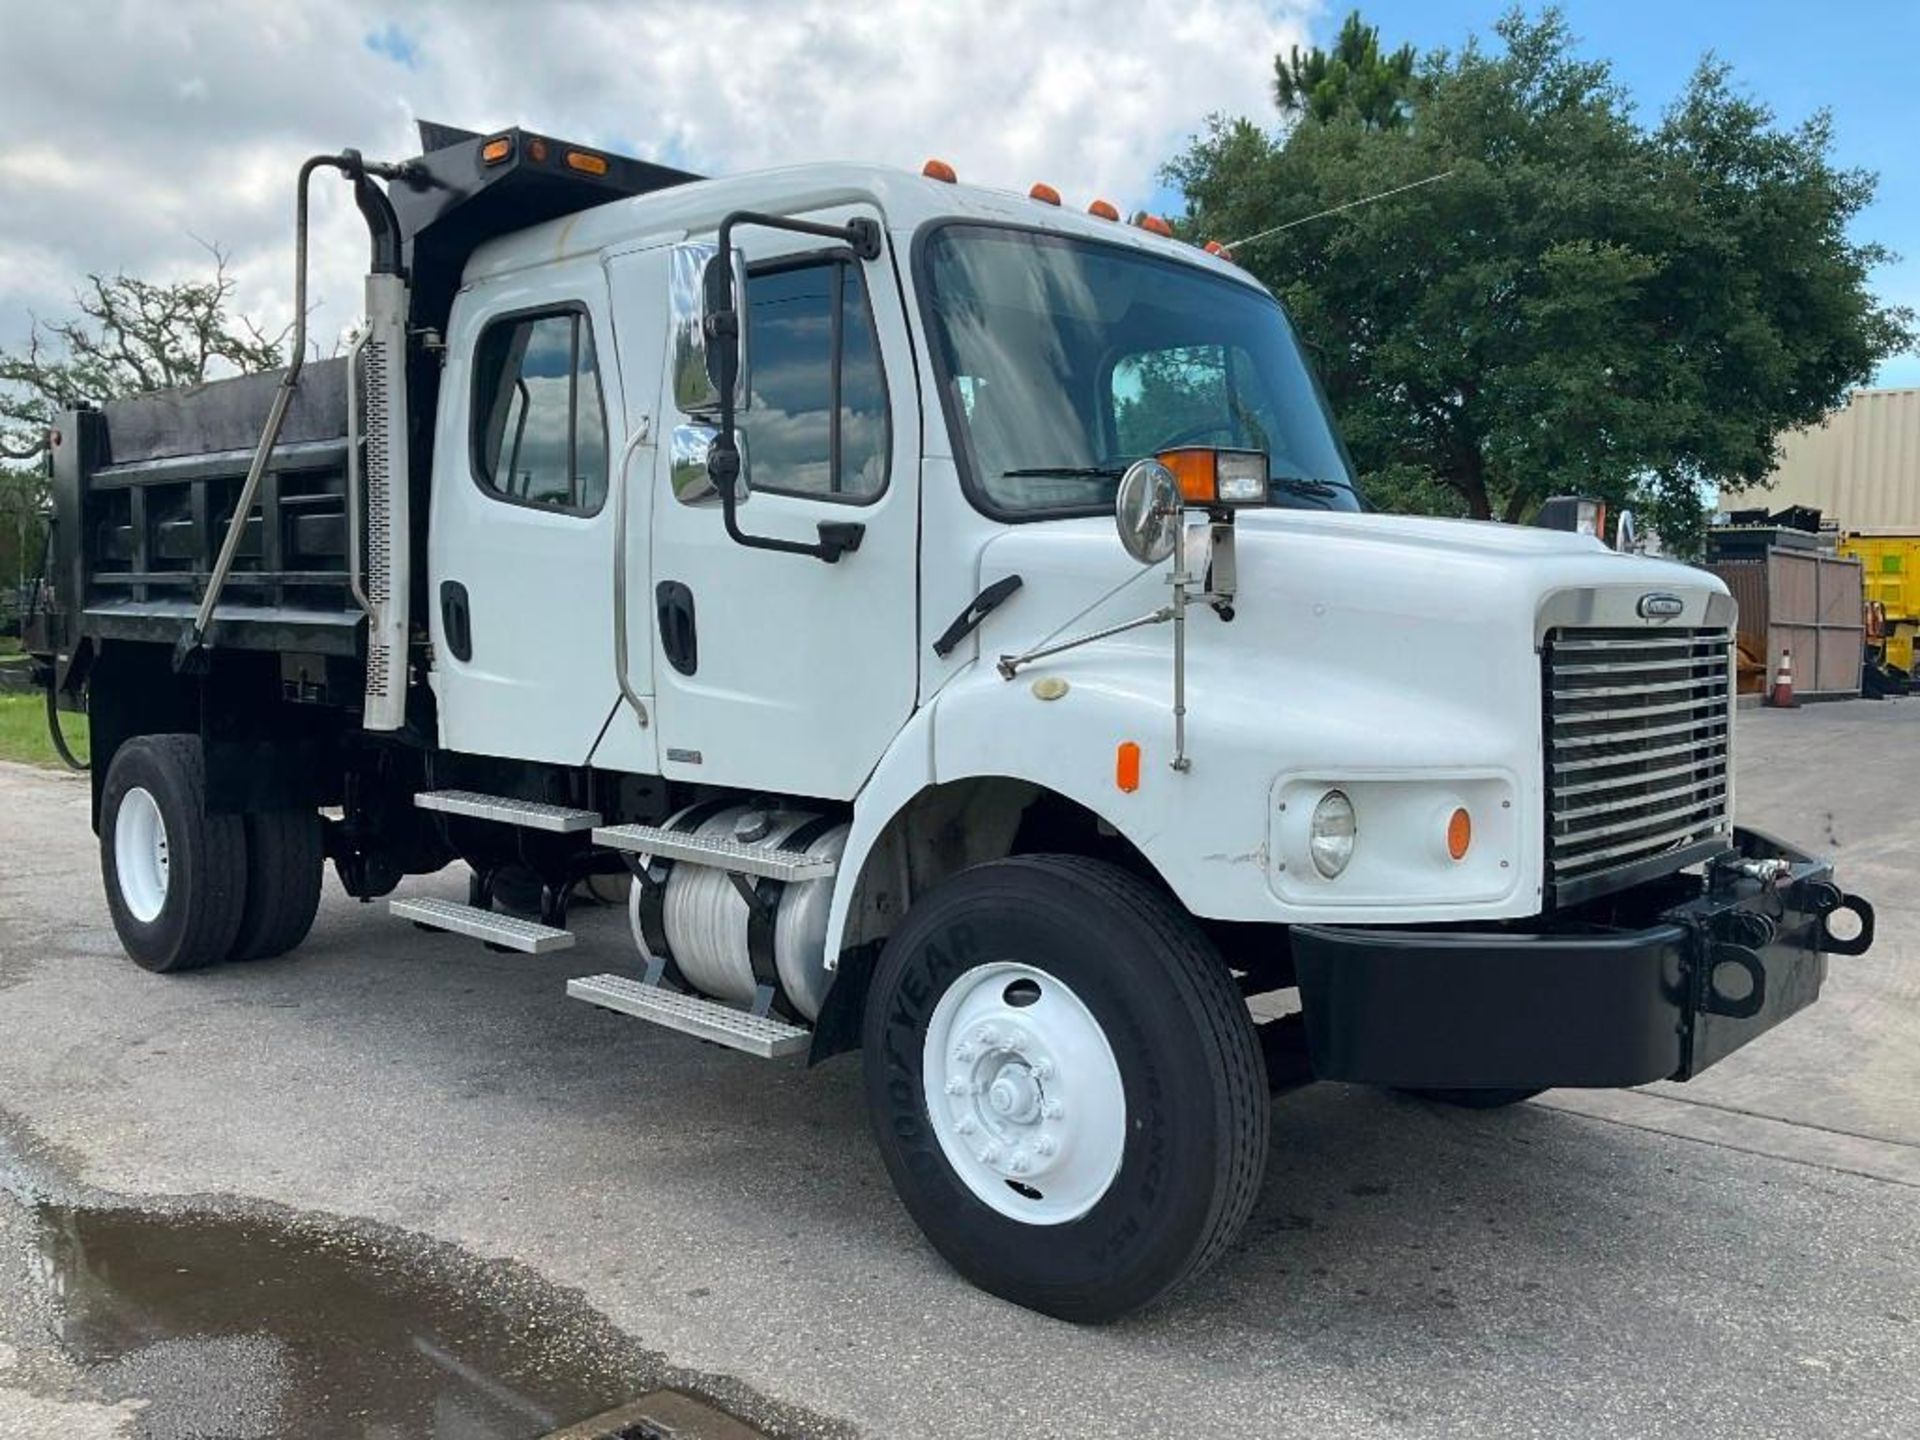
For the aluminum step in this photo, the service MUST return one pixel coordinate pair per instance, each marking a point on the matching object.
(718, 852)
(691, 1015)
(509, 932)
(527, 814)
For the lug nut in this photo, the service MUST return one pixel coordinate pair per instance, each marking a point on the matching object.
(1045, 1145)
(956, 1086)
(963, 1053)
(1043, 1068)
(990, 1155)
(1021, 1162)
(1051, 1109)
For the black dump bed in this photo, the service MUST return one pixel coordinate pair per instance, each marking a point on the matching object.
(145, 489)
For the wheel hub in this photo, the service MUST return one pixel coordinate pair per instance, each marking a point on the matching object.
(141, 856)
(1025, 1093)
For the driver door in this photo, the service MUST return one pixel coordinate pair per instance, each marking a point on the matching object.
(777, 671)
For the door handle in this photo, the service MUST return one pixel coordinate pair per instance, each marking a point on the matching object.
(456, 620)
(679, 640)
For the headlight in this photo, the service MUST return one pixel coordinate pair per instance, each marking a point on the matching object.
(1330, 837)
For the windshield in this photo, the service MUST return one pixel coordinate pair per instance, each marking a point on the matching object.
(1063, 361)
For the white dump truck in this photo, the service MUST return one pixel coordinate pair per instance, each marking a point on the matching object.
(957, 616)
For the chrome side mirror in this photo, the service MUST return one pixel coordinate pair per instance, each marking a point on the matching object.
(1626, 536)
(1147, 511)
(689, 450)
(696, 363)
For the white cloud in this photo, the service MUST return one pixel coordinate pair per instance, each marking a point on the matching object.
(163, 123)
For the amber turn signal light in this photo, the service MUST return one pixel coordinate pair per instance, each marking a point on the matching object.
(939, 170)
(1218, 477)
(1459, 833)
(494, 151)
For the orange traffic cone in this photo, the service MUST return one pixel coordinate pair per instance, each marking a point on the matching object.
(1781, 696)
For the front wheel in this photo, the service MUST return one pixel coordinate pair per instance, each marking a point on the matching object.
(1065, 1084)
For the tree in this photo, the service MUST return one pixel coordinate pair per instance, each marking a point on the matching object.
(128, 336)
(1584, 305)
(1352, 79)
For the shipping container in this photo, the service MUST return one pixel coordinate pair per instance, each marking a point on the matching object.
(1860, 467)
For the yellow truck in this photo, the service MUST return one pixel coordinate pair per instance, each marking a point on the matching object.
(1890, 572)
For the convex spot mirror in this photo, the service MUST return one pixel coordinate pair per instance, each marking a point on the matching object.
(1146, 511)
(689, 465)
(698, 294)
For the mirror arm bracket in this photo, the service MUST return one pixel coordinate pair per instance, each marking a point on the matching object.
(837, 537)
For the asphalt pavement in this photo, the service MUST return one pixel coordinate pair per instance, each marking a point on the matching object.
(1735, 1256)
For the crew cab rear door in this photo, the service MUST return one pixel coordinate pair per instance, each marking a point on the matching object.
(775, 671)
(521, 542)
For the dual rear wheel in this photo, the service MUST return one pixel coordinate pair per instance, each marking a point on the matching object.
(187, 888)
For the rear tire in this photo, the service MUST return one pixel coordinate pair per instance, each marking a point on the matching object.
(1129, 1143)
(176, 877)
(285, 864)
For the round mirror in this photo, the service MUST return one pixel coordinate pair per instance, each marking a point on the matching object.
(1146, 510)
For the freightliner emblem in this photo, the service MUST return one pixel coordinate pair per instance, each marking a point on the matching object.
(1661, 607)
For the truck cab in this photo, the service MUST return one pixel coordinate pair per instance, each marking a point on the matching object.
(957, 619)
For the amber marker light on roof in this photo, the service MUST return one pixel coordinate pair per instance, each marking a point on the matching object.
(939, 170)
(536, 150)
(1044, 193)
(585, 163)
(1153, 224)
(494, 151)
(1103, 210)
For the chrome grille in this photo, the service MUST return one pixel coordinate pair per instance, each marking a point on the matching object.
(1639, 755)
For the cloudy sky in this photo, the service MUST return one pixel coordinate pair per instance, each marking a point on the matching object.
(135, 130)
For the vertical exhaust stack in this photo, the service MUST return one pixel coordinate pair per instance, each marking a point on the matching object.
(377, 452)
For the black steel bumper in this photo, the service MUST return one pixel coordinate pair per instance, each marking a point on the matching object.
(1706, 964)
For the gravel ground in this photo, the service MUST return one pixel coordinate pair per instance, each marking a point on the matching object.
(1737, 1256)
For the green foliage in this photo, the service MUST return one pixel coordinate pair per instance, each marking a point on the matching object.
(1586, 306)
(23, 731)
(1353, 79)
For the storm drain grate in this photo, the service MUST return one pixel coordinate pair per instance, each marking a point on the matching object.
(661, 1415)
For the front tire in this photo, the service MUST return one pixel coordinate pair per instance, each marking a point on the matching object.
(176, 877)
(1065, 1085)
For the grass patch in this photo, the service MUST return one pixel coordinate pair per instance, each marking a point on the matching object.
(23, 731)
(9, 646)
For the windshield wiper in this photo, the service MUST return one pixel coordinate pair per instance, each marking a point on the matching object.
(1305, 485)
(1065, 472)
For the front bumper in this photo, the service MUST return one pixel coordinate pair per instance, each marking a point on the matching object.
(1693, 967)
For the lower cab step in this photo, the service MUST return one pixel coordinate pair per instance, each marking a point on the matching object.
(768, 1038)
(508, 932)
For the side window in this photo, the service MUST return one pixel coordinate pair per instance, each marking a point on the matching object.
(816, 421)
(1186, 395)
(540, 434)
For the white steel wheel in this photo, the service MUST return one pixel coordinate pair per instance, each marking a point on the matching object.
(140, 855)
(1064, 1084)
(1024, 1093)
